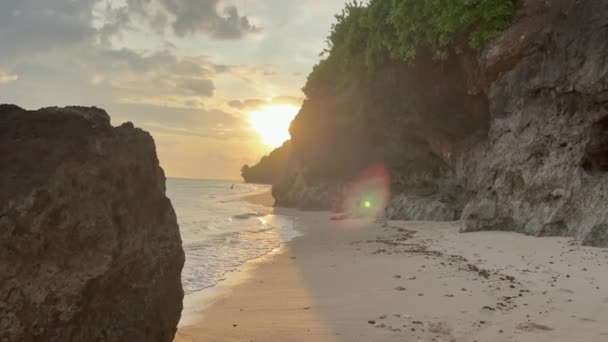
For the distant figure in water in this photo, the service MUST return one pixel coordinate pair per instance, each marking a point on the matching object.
(232, 187)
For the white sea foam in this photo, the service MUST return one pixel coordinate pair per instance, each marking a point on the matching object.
(220, 232)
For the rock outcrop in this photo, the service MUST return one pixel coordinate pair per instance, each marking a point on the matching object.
(543, 168)
(398, 120)
(293, 190)
(89, 245)
(270, 167)
(514, 137)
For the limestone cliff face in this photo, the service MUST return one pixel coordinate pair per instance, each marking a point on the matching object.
(543, 168)
(514, 137)
(89, 245)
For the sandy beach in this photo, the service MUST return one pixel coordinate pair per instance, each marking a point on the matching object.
(262, 198)
(356, 280)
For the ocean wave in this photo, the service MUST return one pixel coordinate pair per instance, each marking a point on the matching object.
(249, 215)
(218, 237)
(261, 230)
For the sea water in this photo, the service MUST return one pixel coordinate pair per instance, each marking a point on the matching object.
(220, 231)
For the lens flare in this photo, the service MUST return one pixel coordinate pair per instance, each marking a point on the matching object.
(366, 196)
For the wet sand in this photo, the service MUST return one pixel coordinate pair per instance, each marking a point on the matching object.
(264, 198)
(351, 280)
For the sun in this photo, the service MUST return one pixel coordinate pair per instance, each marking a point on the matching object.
(271, 123)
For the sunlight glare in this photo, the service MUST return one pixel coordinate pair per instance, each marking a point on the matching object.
(271, 123)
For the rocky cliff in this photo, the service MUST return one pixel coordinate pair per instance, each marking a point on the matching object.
(89, 245)
(513, 136)
(543, 169)
(270, 167)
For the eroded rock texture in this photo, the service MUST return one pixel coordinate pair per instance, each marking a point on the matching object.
(89, 245)
(543, 168)
(407, 118)
(514, 137)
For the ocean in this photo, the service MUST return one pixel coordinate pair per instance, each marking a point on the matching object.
(219, 231)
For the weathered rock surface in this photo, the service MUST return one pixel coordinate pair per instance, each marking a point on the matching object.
(402, 123)
(294, 191)
(543, 168)
(512, 138)
(89, 245)
(442, 202)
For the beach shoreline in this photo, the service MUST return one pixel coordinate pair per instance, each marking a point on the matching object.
(357, 280)
(261, 198)
(197, 303)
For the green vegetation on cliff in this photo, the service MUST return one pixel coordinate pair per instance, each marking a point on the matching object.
(397, 86)
(366, 37)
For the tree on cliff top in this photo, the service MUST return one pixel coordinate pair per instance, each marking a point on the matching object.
(365, 37)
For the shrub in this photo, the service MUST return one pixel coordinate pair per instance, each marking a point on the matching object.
(366, 37)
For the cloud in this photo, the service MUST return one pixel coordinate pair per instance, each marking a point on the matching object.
(7, 77)
(250, 73)
(72, 41)
(247, 104)
(252, 104)
(221, 68)
(209, 123)
(145, 61)
(204, 16)
(30, 26)
(235, 104)
(115, 21)
(185, 17)
(158, 77)
(293, 100)
(197, 86)
(139, 6)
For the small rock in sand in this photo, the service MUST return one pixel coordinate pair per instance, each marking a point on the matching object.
(531, 327)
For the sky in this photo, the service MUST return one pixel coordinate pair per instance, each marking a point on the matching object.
(188, 71)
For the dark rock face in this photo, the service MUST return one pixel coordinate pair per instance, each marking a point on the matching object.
(270, 168)
(403, 118)
(293, 190)
(543, 170)
(89, 245)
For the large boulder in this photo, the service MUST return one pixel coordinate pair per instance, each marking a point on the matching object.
(89, 245)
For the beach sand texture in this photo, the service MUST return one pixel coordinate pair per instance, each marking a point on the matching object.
(352, 280)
